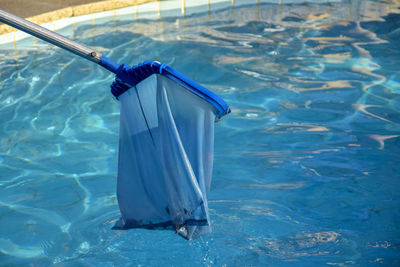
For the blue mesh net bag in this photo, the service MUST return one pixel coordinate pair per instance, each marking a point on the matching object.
(165, 150)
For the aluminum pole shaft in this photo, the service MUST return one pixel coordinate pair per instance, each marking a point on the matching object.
(50, 36)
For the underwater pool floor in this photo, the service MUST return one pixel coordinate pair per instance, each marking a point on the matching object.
(306, 169)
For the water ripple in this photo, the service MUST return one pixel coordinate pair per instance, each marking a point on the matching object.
(305, 165)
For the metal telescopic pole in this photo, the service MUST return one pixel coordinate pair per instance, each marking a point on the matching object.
(50, 36)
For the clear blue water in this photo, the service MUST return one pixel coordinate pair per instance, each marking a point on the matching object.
(306, 169)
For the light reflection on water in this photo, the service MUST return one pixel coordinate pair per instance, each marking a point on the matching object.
(306, 166)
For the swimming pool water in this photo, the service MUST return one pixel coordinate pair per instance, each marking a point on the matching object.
(306, 169)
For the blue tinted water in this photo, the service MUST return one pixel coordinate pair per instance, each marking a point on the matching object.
(307, 165)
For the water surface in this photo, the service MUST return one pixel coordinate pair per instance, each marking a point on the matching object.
(307, 165)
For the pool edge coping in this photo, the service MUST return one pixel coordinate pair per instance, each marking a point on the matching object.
(75, 11)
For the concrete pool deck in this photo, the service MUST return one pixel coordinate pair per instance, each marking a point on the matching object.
(29, 8)
(50, 10)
